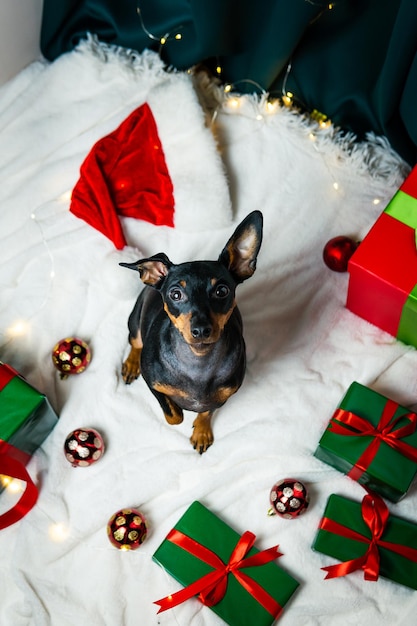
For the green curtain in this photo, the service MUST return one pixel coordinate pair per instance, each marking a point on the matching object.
(354, 60)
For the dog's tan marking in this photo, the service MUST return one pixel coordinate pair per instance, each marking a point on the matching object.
(201, 349)
(131, 367)
(202, 437)
(151, 272)
(219, 320)
(223, 393)
(175, 416)
(242, 252)
(181, 322)
(136, 342)
(183, 283)
(169, 390)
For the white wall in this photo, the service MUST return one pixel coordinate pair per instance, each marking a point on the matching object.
(20, 22)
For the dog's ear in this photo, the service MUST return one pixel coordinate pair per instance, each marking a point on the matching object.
(241, 251)
(153, 270)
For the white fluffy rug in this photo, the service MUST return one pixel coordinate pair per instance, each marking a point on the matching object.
(60, 277)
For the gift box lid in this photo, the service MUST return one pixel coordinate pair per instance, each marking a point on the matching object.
(237, 607)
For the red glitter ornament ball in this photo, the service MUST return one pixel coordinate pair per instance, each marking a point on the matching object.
(289, 498)
(83, 447)
(127, 529)
(71, 356)
(337, 253)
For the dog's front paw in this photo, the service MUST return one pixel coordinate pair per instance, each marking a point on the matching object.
(130, 370)
(202, 437)
(131, 367)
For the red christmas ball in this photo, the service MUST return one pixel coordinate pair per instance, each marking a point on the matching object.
(71, 356)
(127, 529)
(289, 498)
(337, 252)
(83, 447)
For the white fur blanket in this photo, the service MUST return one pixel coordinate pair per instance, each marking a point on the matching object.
(60, 277)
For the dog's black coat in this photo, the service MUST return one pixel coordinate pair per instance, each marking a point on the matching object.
(185, 330)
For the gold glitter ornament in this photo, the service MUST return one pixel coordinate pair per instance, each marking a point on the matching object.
(83, 447)
(127, 529)
(71, 356)
(289, 498)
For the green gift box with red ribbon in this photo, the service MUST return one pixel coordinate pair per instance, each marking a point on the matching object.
(365, 537)
(383, 270)
(373, 440)
(26, 419)
(243, 585)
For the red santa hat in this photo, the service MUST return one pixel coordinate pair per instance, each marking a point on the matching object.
(160, 165)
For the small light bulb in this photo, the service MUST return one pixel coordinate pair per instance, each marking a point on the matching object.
(312, 137)
(58, 532)
(19, 328)
(227, 88)
(336, 186)
(233, 103)
(271, 106)
(259, 117)
(15, 486)
(162, 41)
(218, 69)
(124, 548)
(287, 99)
(64, 197)
(12, 485)
(178, 36)
(33, 216)
(376, 201)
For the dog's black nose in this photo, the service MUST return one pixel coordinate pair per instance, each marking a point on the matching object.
(201, 332)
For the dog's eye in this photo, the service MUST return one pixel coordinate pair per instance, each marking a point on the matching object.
(176, 294)
(222, 291)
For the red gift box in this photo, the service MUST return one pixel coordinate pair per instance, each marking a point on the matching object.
(383, 270)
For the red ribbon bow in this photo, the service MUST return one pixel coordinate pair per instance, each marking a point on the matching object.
(375, 514)
(348, 423)
(212, 587)
(11, 466)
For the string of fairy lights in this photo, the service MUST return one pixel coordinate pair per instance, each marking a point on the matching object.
(267, 104)
(287, 97)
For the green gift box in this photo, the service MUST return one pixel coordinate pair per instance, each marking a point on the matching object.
(364, 536)
(373, 440)
(241, 584)
(26, 417)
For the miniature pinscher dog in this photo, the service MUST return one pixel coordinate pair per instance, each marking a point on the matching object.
(185, 330)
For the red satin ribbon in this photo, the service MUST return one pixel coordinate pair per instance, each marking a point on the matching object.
(375, 514)
(212, 587)
(11, 466)
(347, 423)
